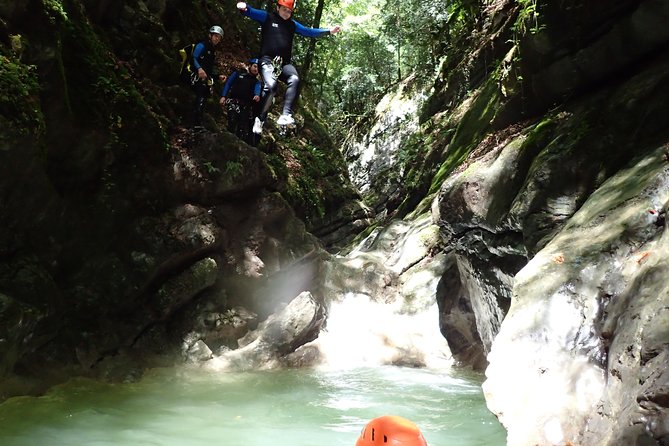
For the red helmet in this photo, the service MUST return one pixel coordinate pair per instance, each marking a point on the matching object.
(390, 430)
(290, 4)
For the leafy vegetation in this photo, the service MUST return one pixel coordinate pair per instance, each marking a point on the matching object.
(528, 18)
(19, 97)
(54, 10)
(383, 42)
(233, 169)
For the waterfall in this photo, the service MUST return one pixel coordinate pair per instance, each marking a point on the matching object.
(382, 307)
(362, 332)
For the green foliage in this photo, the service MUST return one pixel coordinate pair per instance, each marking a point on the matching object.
(463, 14)
(354, 69)
(233, 169)
(416, 30)
(20, 108)
(211, 169)
(310, 177)
(383, 41)
(528, 18)
(304, 185)
(319, 158)
(277, 165)
(55, 10)
(304, 194)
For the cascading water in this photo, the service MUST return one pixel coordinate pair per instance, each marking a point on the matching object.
(364, 333)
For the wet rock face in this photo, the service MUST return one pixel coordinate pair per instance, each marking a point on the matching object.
(207, 247)
(562, 331)
(600, 44)
(581, 355)
(472, 303)
(280, 334)
(373, 154)
(551, 267)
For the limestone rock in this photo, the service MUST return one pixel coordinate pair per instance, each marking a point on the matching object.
(282, 333)
(580, 356)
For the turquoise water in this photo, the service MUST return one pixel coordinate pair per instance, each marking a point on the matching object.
(190, 406)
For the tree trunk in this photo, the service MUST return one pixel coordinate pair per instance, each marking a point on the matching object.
(399, 43)
(308, 59)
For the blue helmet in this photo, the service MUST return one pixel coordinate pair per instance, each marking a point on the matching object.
(253, 61)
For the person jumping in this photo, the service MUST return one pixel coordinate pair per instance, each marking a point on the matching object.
(276, 47)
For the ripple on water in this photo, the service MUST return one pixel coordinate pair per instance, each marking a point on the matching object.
(186, 406)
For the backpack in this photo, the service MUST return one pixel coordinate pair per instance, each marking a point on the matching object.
(186, 55)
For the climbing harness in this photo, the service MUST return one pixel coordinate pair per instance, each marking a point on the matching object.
(188, 74)
(232, 105)
(277, 66)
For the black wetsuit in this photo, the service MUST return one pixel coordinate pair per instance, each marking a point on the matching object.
(277, 41)
(203, 57)
(239, 91)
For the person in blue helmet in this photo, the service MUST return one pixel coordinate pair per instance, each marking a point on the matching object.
(276, 34)
(204, 64)
(240, 92)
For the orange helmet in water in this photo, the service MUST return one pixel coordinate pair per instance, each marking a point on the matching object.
(390, 430)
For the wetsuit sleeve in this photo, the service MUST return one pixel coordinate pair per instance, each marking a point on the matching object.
(197, 52)
(256, 14)
(228, 83)
(310, 32)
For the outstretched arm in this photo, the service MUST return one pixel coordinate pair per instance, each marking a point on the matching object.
(314, 32)
(256, 14)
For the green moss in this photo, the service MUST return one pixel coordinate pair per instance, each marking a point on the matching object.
(304, 194)
(309, 169)
(411, 160)
(364, 234)
(539, 131)
(102, 90)
(473, 127)
(304, 188)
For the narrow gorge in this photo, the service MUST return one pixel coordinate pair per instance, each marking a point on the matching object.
(503, 214)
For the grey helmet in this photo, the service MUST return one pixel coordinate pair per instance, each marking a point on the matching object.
(216, 30)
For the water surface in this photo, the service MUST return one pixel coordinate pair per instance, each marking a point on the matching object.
(190, 406)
